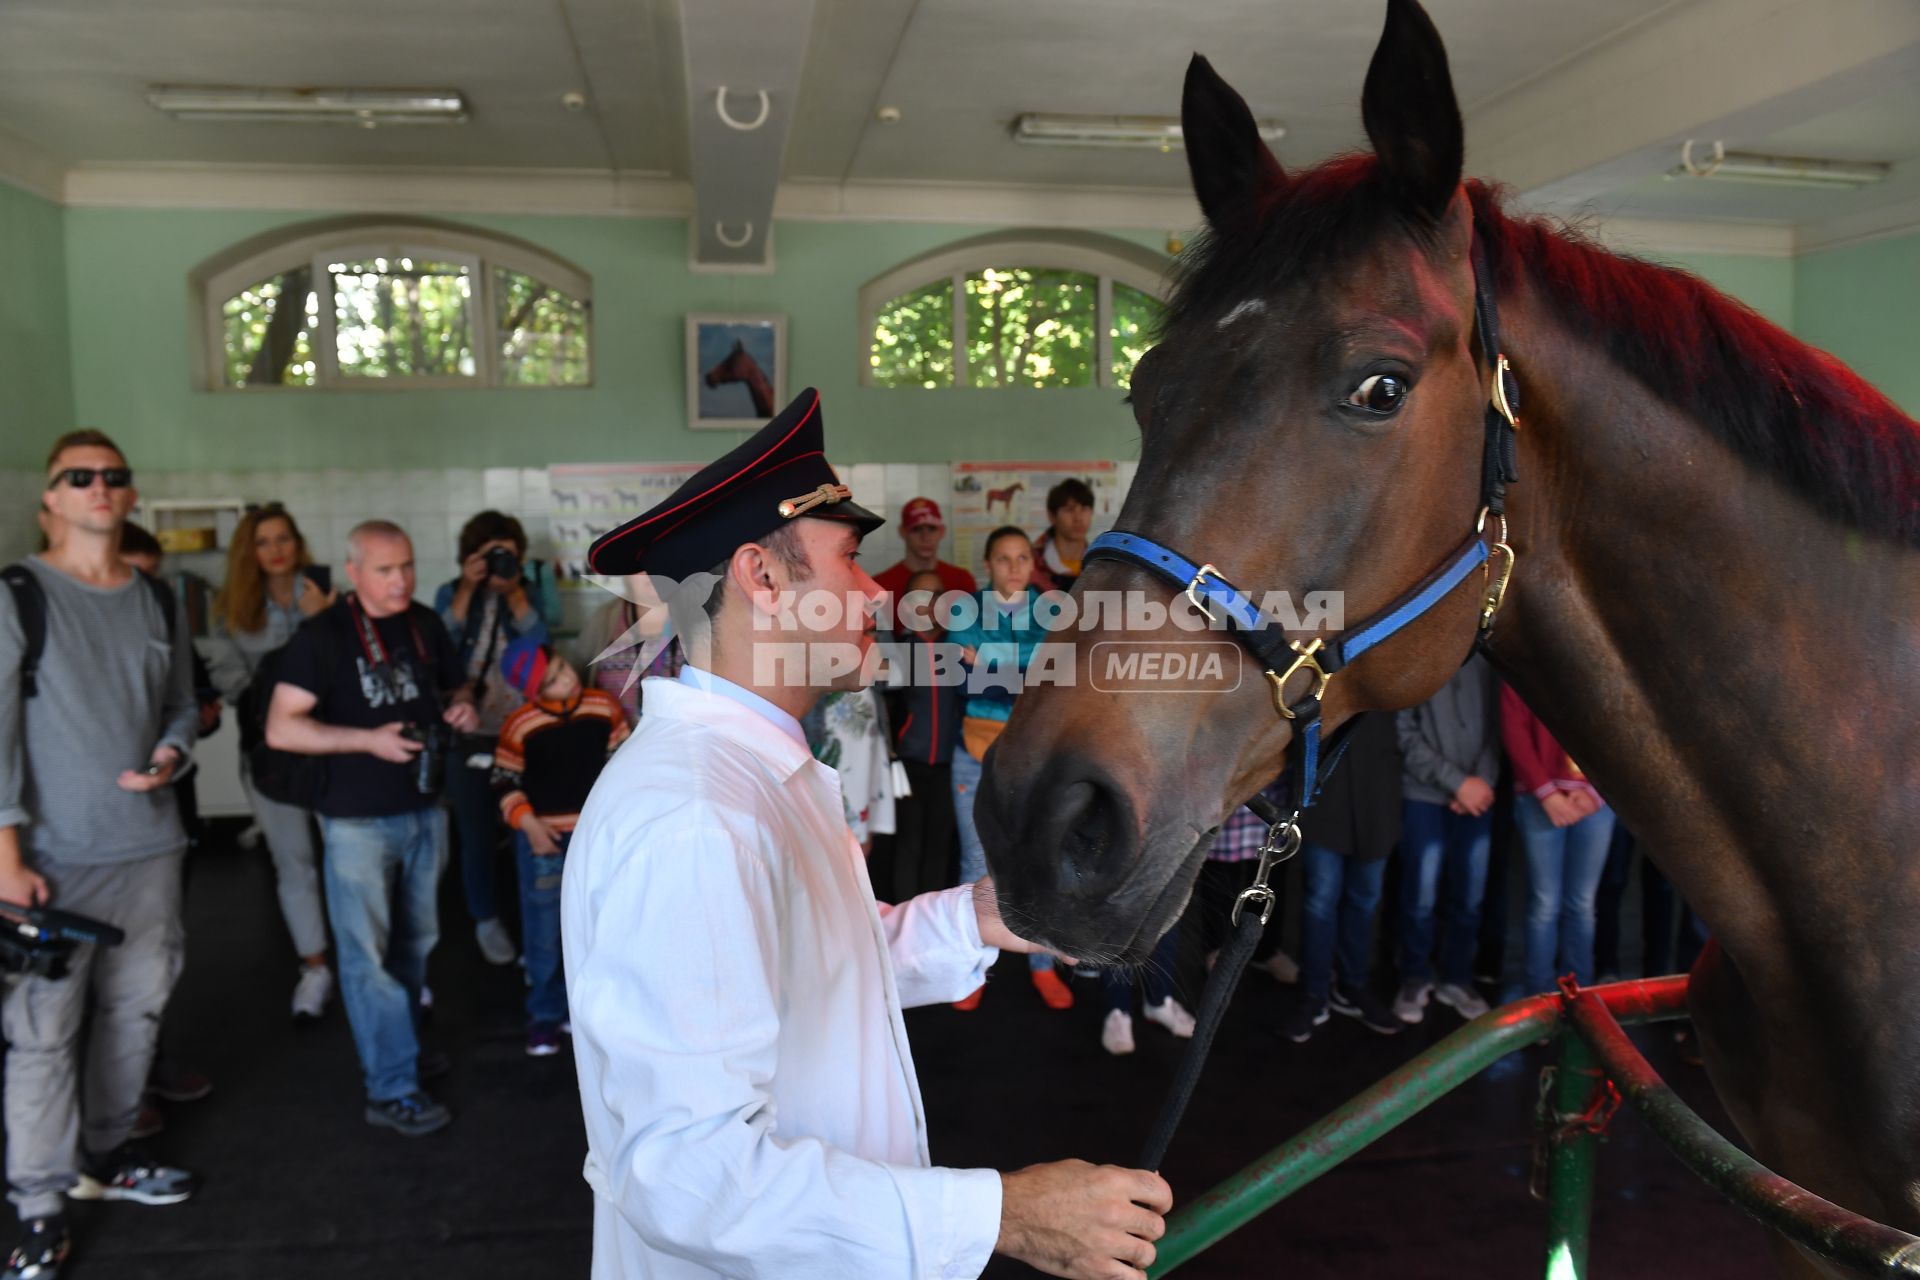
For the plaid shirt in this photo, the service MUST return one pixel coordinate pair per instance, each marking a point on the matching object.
(1242, 834)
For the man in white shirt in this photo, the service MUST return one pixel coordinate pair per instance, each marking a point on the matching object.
(750, 1099)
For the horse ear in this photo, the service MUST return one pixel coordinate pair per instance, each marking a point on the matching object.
(1233, 171)
(1410, 112)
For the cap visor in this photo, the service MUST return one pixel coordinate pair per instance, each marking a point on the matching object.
(848, 512)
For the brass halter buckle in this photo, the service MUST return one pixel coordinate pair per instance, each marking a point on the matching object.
(1496, 578)
(1204, 572)
(1501, 371)
(808, 501)
(1306, 660)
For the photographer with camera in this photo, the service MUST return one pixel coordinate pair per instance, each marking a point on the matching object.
(362, 684)
(498, 598)
(97, 715)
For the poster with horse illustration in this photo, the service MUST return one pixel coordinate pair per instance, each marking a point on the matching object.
(736, 370)
(987, 495)
(591, 498)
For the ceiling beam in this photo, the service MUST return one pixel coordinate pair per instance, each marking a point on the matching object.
(743, 66)
(1618, 112)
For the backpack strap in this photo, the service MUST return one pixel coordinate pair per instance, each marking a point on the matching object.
(30, 603)
(162, 596)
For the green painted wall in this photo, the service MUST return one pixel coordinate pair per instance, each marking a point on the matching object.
(1862, 303)
(36, 381)
(131, 313)
(1765, 284)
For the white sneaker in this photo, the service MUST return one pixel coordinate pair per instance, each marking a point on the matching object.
(311, 993)
(1411, 1004)
(1464, 1001)
(1170, 1014)
(496, 944)
(1116, 1033)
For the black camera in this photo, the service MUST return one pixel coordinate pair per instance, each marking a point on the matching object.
(502, 563)
(430, 765)
(41, 940)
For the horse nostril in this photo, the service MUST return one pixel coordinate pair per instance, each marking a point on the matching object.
(1091, 837)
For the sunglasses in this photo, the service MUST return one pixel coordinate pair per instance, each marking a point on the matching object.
(82, 477)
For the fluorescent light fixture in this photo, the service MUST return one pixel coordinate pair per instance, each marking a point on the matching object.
(1780, 171)
(365, 108)
(1156, 133)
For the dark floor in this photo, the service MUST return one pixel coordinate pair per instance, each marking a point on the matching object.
(297, 1186)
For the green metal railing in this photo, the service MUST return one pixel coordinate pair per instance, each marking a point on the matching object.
(1598, 1067)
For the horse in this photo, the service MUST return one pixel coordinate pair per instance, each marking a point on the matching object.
(1004, 496)
(1714, 599)
(738, 366)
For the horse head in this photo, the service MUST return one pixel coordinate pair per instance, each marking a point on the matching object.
(1311, 421)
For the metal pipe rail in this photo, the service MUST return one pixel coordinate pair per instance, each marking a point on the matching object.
(1594, 1049)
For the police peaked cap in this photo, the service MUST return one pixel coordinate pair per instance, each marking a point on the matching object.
(780, 474)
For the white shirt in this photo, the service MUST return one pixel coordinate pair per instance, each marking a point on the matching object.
(750, 1100)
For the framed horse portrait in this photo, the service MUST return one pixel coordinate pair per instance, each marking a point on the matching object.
(736, 370)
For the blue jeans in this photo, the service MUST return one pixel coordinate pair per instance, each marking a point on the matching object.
(1563, 876)
(1156, 974)
(381, 874)
(1337, 917)
(540, 928)
(973, 854)
(1439, 846)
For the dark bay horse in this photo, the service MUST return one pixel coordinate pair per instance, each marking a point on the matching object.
(1716, 604)
(739, 366)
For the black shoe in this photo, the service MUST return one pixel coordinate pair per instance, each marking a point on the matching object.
(131, 1174)
(1366, 1008)
(1307, 1014)
(41, 1249)
(413, 1116)
(432, 1064)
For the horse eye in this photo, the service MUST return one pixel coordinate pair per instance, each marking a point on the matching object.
(1382, 393)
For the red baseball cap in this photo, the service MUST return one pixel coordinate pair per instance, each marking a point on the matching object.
(921, 511)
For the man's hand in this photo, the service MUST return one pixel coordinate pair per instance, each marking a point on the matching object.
(1083, 1221)
(1473, 797)
(539, 836)
(390, 743)
(313, 600)
(157, 774)
(462, 716)
(1562, 809)
(20, 885)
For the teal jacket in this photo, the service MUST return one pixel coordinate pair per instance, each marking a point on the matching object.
(1005, 641)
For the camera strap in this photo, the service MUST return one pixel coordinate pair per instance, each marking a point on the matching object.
(377, 654)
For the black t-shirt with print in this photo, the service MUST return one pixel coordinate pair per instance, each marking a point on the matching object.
(328, 658)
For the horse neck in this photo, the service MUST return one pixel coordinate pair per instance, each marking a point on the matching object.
(1715, 653)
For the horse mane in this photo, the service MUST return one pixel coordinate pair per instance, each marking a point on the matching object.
(1789, 409)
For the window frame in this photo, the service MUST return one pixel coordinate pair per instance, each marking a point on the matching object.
(216, 281)
(1105, 258)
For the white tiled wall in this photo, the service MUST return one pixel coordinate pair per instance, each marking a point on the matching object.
(430, 505)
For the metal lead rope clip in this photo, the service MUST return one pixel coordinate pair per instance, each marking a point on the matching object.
(1282, 842)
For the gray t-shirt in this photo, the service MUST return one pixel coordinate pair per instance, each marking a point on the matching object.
(113, 689)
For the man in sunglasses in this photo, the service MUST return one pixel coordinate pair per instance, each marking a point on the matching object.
(97, 715)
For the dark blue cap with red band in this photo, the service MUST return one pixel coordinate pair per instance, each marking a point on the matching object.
(779, 475)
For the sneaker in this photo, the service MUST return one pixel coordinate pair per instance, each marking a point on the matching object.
(972, 1002)
(543, 1040)
(150, 1121)
(496, 944)
(1307, 1014)
(1053, 992)
(1365, 1008)
(1464, 1001)
(1411, 1004)
(312, 991)
(1116, 1033)
(41, 1250)
(179, 1085)
(127, 1174)
(1280, 967)
(1172, 1015)
(413, 1116)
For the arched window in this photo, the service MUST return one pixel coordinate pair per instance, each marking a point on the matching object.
(1032, 308)
(360, 302)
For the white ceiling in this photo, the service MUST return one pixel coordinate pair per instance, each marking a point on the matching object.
(1576, 102)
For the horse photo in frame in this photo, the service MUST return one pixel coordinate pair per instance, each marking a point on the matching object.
(736, 370)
